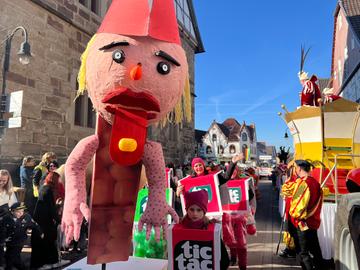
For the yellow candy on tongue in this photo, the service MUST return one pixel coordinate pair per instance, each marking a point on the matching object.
(127, 145)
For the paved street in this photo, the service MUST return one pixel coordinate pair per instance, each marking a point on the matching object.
(262, 247)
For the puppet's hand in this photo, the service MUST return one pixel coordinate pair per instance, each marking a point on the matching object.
(75, 208)
(156, 215)
(73, 215)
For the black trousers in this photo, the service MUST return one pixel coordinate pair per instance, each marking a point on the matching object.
(306, 243)
(13, 257)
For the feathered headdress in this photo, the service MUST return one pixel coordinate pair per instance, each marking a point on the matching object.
(302, 74)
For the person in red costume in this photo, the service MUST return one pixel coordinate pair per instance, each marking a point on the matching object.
(310, 93)
(305, 209)
(328, 94)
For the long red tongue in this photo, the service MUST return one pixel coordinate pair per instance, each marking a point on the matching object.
(128, 135)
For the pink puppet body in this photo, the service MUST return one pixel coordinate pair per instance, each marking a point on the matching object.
(129, 93)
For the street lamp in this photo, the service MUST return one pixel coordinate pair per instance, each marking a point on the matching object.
(24, 58)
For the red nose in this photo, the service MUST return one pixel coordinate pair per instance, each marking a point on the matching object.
(136, 72)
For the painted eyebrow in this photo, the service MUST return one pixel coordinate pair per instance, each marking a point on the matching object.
(168, 57)
(114, 44)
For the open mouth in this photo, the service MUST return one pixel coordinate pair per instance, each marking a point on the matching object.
(127, 99)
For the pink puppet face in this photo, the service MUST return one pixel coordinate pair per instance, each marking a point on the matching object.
(138, 73)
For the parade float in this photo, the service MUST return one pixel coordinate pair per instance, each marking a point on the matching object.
(329, 136)
(136, 73)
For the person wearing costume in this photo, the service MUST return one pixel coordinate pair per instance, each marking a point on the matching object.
(305, 209)
(236, 226)
(198, 166)
(16, 225)
(310, 93)
(289, 250)
(195, 218)
(328, 94)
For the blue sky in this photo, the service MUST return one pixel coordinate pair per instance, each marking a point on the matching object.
(252, 58)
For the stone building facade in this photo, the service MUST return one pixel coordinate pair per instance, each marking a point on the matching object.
(43, 114)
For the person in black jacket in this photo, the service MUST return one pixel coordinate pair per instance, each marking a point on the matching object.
(16, 225)
(44, 251)
(4, 211)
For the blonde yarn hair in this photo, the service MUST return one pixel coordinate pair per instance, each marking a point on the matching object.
(182, 108)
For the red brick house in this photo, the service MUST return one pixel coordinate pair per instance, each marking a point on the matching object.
(345, 66)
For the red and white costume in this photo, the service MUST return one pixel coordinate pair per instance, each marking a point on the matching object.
(310, 92)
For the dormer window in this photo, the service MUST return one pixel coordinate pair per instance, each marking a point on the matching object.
(244, 137)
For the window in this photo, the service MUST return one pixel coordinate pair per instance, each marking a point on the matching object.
(214, 137)
(221, 149)
(232, 149)
(339, 21)
(183, 16)
(340, 71)
(208, 150)
(99, 7)
(84, 116)
(244, 137)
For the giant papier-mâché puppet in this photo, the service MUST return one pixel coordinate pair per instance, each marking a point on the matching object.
(136, 73)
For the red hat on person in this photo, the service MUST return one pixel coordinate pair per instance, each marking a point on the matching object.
(156, 19)
(197, 160)
(199, 198)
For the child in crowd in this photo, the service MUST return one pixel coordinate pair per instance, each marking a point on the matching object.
(7, 195)
(237, 225)
(16, 225)
(196, 208)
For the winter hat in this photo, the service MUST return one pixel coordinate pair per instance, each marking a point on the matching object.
(197, 160)
(199, 198)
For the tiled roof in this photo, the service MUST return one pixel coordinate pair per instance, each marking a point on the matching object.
(234, 127)
(224, 129)
(352, 11)
(199, 134)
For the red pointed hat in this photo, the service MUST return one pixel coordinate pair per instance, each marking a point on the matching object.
(138, 18)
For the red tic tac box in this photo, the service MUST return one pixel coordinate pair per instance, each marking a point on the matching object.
(193, 249)
(235, 196)
(210, 183)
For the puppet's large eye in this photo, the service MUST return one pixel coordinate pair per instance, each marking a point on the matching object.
(118, 56)
(163, 68)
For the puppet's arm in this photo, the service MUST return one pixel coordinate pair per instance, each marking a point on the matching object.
(157, 207)
(75, 207)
